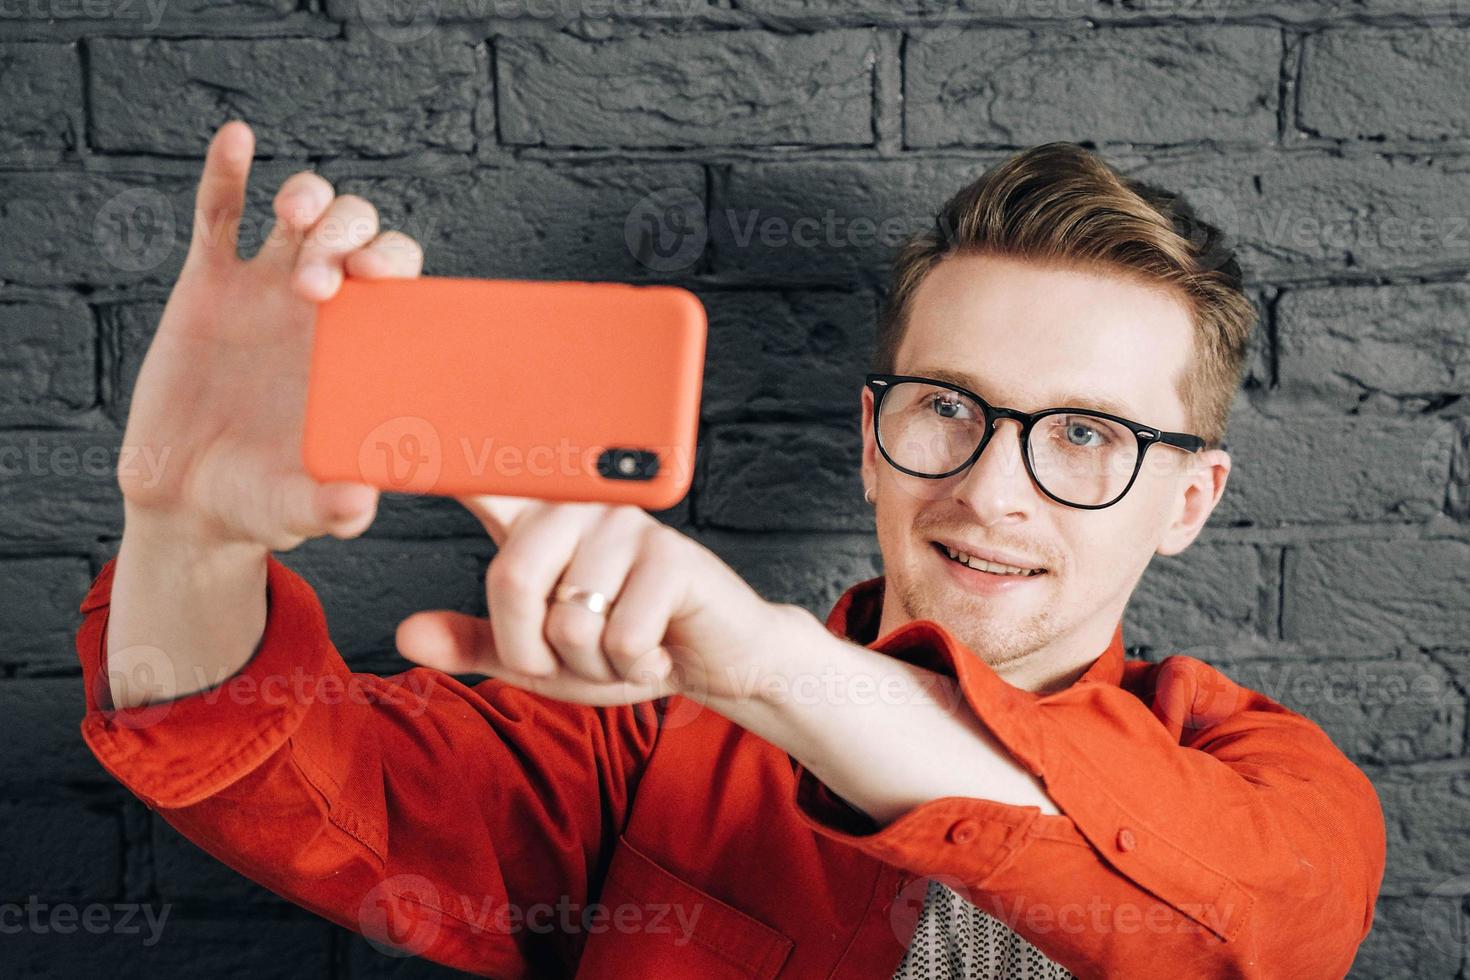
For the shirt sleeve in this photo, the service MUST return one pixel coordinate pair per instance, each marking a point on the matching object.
(427, 815)
(1205, 829)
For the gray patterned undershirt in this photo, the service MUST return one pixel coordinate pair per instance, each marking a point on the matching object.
(957, 941)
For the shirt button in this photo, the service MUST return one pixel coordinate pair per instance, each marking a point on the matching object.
(963, 832)
(1126, 840)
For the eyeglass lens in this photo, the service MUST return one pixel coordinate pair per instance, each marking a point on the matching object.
(1078, 457)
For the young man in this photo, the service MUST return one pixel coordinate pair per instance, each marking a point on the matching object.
(957, 773)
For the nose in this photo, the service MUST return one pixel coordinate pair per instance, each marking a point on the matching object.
(996, 486)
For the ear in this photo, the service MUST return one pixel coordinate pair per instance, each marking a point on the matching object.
(1198, 493)
(870, 443)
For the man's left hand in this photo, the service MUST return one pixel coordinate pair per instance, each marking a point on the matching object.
(681, 620)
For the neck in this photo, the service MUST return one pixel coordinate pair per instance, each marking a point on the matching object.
(1040, 672)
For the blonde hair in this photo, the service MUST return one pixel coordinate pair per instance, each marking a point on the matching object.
(1059, 204)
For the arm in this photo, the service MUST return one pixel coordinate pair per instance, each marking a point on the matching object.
(1252, 845)
(358, 797)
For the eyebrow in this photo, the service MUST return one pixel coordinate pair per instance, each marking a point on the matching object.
(1099, 403)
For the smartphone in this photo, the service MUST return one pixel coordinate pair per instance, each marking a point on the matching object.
(556, 390)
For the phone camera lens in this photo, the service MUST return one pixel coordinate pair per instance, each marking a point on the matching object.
(627, 464)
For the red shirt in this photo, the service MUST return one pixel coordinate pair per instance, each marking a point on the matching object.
(1206, 831)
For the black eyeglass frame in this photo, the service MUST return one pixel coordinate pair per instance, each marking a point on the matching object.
(1146, 435)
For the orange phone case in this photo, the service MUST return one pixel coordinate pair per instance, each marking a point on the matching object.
(556, 390)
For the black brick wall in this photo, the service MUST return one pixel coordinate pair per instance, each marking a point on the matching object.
(534, 138)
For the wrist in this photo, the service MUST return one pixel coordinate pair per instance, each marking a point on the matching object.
(184, 536)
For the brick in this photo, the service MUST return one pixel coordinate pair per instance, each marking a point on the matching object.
(1307, 213)
(48, 362)
(136, 945)
(811, 571)
(1376, 711)
(708, 89)
(186, 875)
(40, 100)
(1398, 945)
(44, 747)
(1425, 809)
(1457, 499)
(1302, 468)
(148, 15)
(59, 851)
(421, 516)
(777, 354)
(784, 477)
(94, 229)
(58, 486)
(38, 609)
(1202, 595)
(363, 97)
(133, 326)
(1366, 83)
(1353, 347)
(1457, 662)
(397, 21)
(530, 221)
(955, 15)
(1401, 591)
(368, 587)
(1019, 87)
(826, 223)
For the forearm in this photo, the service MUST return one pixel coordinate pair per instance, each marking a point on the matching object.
(186, 612)
(884, 735)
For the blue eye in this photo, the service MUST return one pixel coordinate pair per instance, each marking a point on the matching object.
(1074, 427)
(948, 406)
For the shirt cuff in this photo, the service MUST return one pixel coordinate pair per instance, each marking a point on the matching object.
(967, 837)
(958, 836)
(175, 753)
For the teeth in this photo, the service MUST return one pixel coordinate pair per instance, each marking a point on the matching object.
(981, 564)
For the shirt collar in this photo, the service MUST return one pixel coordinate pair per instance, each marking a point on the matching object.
(859, 610)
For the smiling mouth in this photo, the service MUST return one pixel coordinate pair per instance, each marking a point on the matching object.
(980, 565)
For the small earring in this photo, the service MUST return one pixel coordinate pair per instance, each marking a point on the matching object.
(868, 495)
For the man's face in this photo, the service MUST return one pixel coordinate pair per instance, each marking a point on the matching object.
(1030, 337)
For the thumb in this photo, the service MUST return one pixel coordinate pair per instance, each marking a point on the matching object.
(310, 509)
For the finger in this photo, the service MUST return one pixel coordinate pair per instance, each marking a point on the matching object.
(392, 255)
(457, 643)
(310, 509)
(638, 623)
(498, 514)
(219, 200)
(601, 564)
(453, 642)
(521, 577)
(349, 223)
(300, 202)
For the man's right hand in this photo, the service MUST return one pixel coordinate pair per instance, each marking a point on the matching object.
(220, 405)
(222, 389)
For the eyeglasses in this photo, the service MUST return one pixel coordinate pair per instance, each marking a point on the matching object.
(1076, 456)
